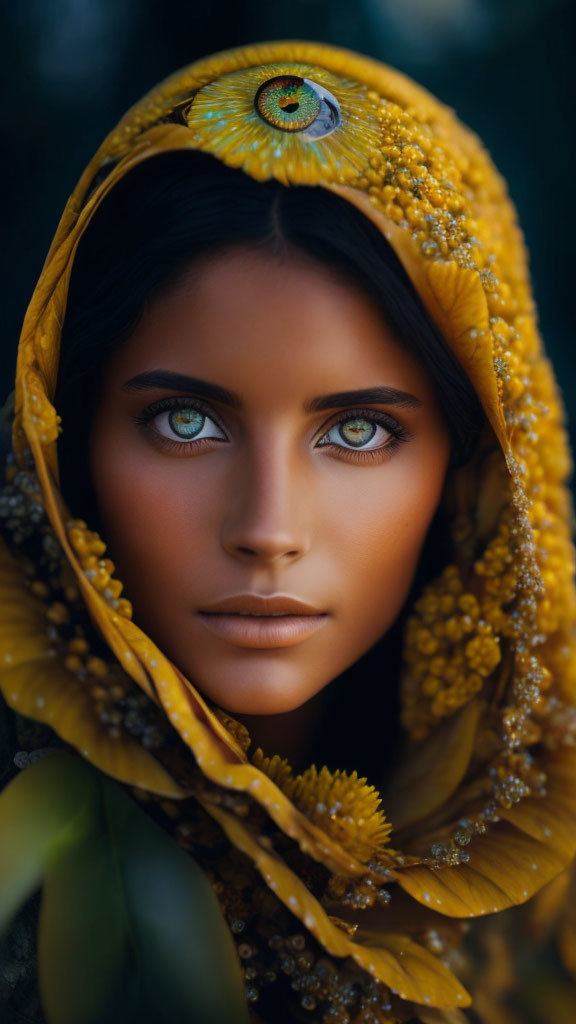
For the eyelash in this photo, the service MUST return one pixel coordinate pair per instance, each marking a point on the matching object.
(399, 433)
(381, 419)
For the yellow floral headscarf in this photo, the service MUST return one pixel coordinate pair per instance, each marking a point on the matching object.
(482, 811)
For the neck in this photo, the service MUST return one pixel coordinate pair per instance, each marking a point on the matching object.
(292, 734)
(361, 707)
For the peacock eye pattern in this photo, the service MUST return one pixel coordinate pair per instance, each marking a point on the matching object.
(293, 104)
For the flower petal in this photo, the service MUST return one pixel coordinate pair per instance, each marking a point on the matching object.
(506, 867)
(397, 960)
(432, 770)
(551, 820)
(37, 684)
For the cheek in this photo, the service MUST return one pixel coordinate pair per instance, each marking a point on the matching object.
(380, 532)
(156, 517)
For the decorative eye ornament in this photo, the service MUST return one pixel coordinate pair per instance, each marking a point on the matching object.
(278, 121)
(294, 104)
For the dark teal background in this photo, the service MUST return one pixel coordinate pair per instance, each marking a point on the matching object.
(72, 67)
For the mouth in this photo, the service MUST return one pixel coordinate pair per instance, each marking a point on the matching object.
(262, 631)
(264, 622)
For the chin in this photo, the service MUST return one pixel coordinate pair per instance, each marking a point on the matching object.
(269, 696)
(257, 702)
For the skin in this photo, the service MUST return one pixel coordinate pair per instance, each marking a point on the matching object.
(265, 508)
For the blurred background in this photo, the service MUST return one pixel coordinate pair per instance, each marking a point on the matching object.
(72, 67)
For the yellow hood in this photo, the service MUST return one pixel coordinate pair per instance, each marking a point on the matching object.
(483, 807)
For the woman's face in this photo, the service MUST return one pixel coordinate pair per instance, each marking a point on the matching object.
(262, 443)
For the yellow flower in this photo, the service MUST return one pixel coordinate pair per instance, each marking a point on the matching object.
(346, 807)
(276, 768)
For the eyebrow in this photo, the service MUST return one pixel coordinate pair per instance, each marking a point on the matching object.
(169, 380)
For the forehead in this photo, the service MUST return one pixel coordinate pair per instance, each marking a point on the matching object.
(253, 321)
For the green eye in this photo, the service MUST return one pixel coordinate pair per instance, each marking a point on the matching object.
(357, 432)
(186, 422)
(294, 104)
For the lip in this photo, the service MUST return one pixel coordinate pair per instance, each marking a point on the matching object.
(262, 621)
(262, 604)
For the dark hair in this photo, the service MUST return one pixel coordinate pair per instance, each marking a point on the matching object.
(179, 207)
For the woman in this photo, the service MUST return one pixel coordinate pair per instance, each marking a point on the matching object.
(314, 432)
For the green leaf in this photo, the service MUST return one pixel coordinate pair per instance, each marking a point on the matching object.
(40, 812)
(130, 929)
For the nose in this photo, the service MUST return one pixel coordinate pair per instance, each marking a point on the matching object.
(264, 521)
